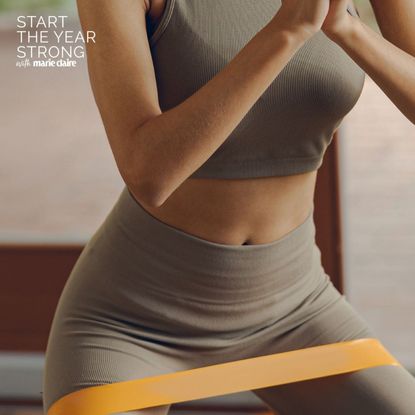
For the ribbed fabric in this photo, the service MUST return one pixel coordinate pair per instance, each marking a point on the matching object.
(289, 127)
(146, 298)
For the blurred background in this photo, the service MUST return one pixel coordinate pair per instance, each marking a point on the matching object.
(58, 181)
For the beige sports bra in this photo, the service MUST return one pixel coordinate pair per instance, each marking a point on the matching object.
(290, 126)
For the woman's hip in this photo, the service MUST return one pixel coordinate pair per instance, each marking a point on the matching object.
(141, 273)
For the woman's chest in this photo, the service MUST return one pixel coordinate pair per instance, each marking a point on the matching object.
(201, 37)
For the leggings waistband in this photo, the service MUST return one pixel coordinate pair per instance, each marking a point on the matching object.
(294, 251)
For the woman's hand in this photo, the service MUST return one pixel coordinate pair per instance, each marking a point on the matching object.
(310, 16)
(339, 23)
(305, 16)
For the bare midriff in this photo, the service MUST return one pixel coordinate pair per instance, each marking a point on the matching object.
(239, 211)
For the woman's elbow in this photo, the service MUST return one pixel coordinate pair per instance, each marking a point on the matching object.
(145, 190)
(139, 175)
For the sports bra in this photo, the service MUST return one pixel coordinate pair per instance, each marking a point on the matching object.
(290, 126)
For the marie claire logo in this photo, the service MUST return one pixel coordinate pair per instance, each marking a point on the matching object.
(45, 42)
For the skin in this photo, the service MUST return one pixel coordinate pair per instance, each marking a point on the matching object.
(256, 210)
(156, 152)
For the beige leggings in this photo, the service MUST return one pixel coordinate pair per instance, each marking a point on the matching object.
(146, 298)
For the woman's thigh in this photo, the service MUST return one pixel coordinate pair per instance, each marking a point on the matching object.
(95, 336)
(381, 390)
(82, 354)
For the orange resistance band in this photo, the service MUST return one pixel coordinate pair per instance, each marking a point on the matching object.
(225, 378)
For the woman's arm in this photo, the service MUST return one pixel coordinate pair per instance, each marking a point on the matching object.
(396, 22)
(154, 151)
(387, 63)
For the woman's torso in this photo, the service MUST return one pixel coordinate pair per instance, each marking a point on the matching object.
(236, 211)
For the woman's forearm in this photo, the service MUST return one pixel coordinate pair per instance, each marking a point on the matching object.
(175, 143)
(389, 66)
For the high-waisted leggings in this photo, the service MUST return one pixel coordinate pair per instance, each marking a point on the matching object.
(146, 298)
